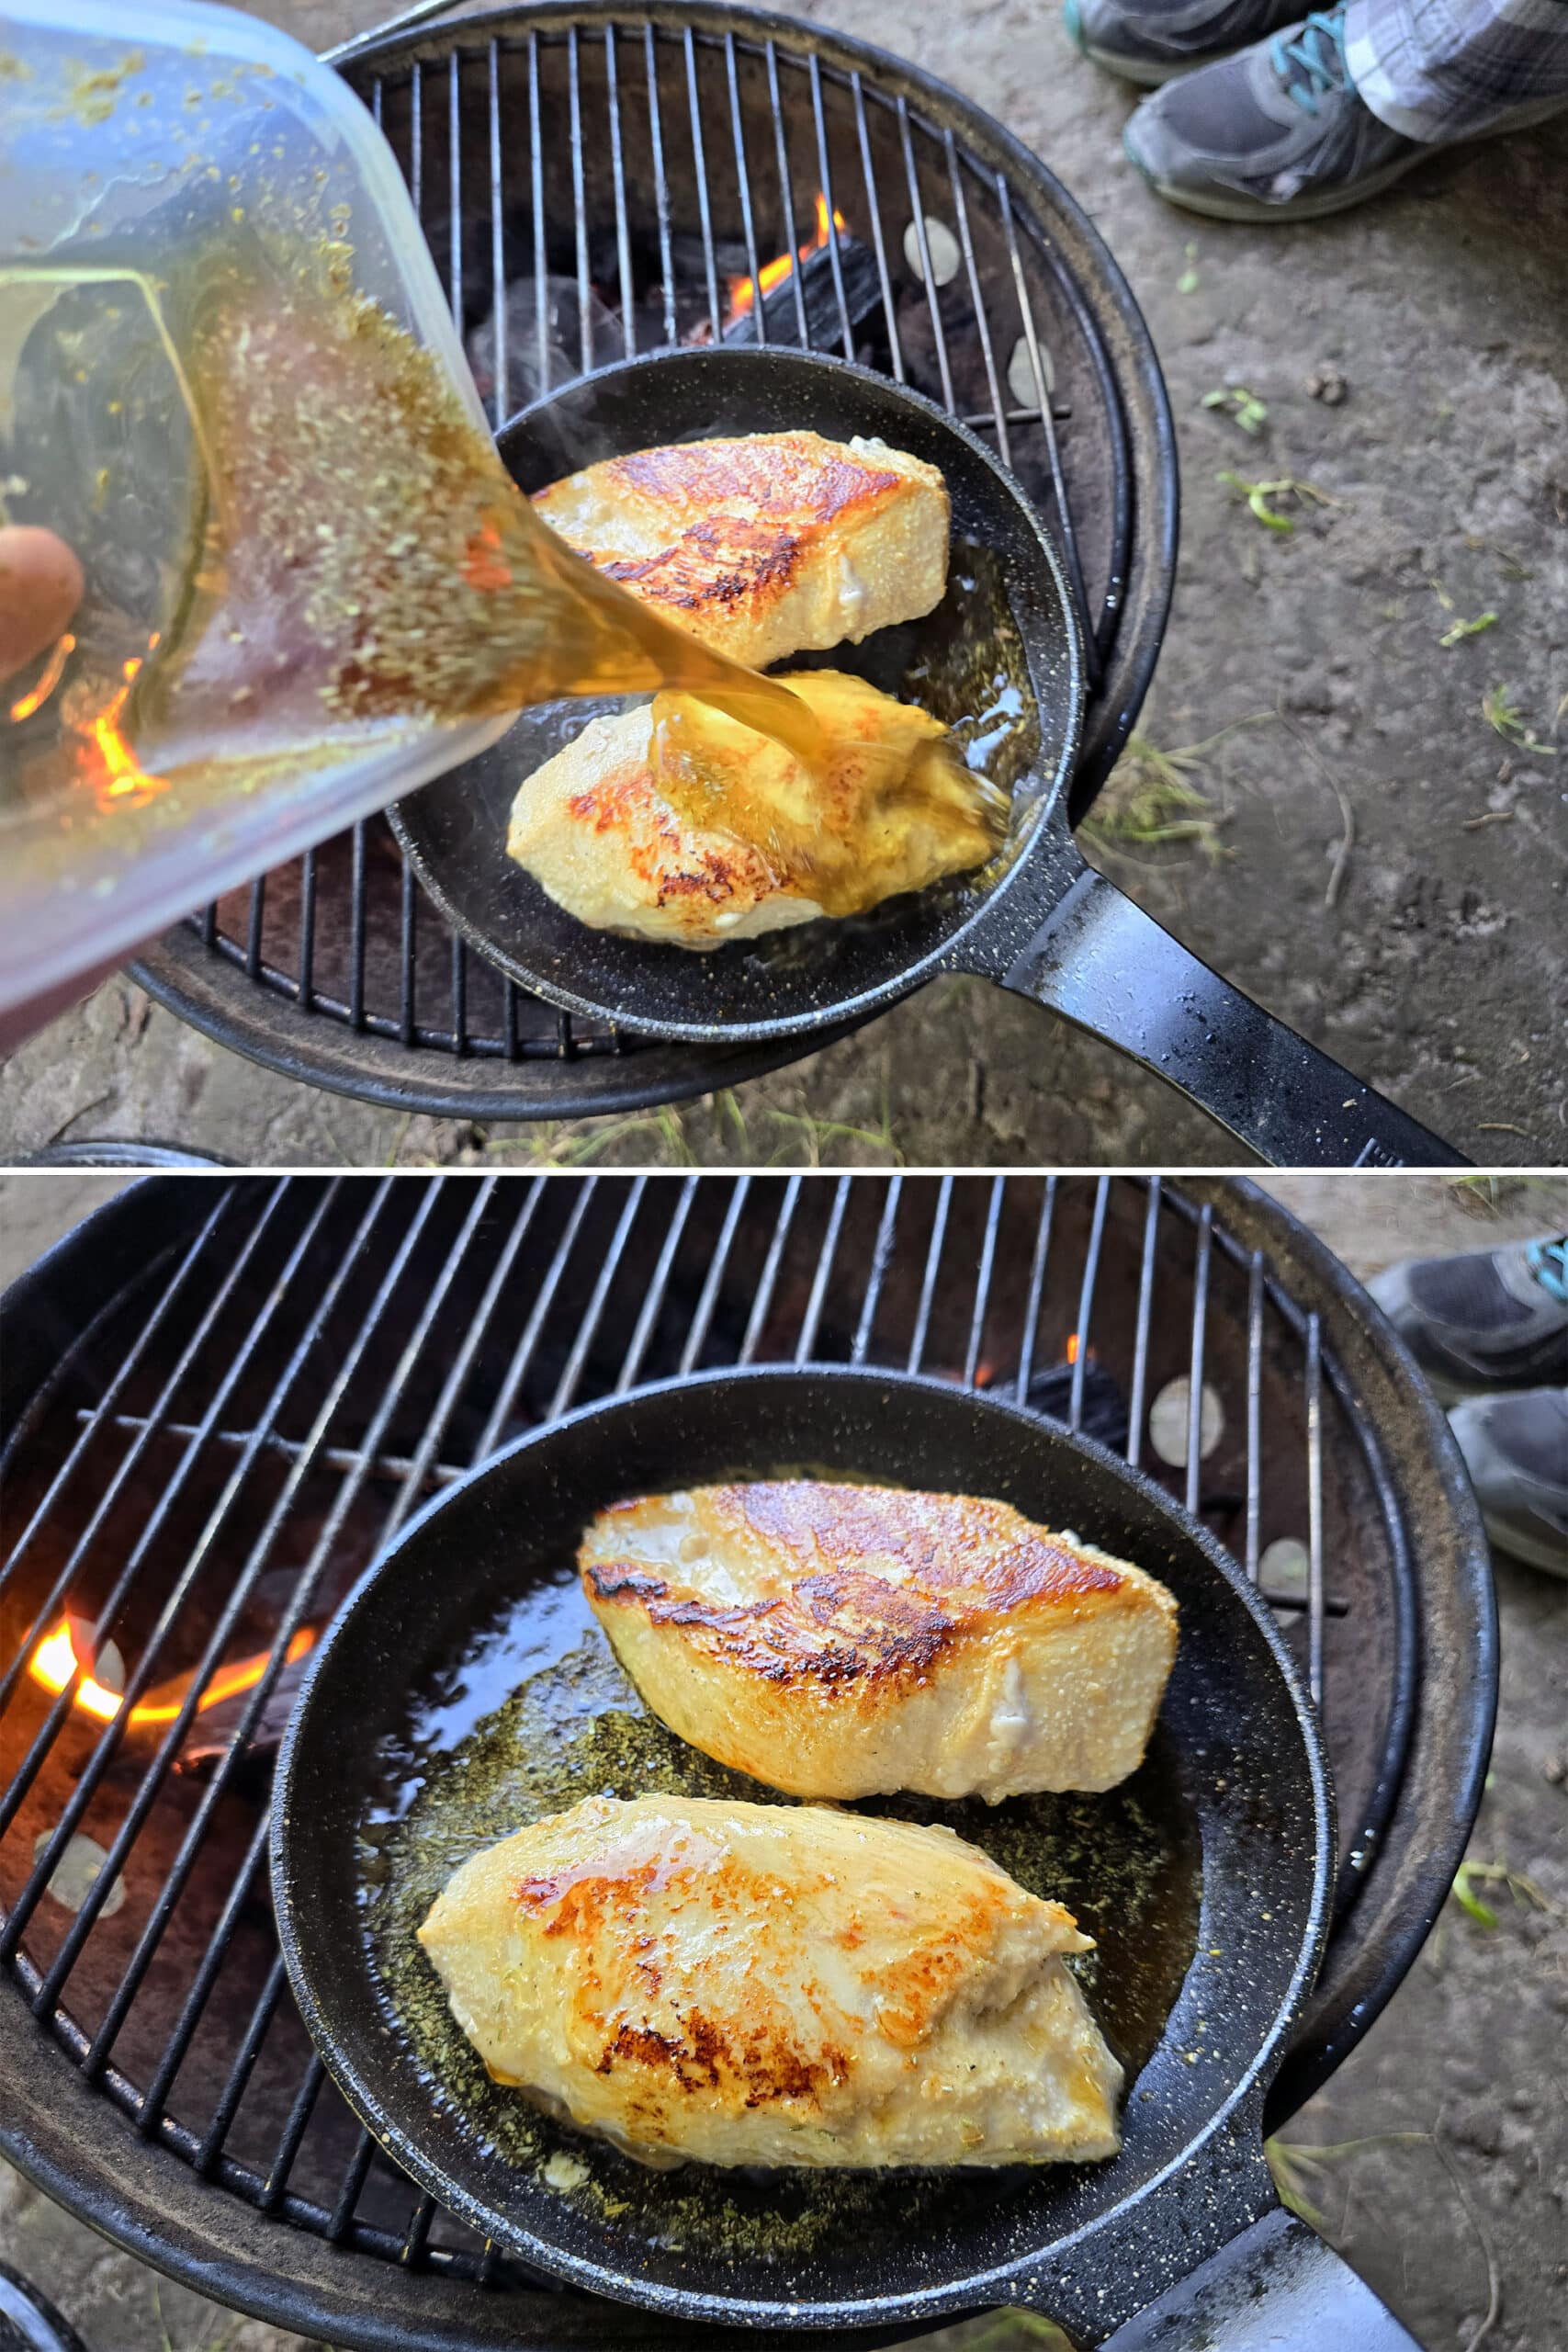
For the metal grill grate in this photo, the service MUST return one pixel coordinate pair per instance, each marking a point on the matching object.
(697, 142)
(284, 1370)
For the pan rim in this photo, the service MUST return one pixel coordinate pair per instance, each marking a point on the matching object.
(941, 955)
(976, 2289)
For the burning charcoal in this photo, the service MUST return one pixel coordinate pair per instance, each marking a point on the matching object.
(208, 1740)
(863, 293)
(965, 358)
(526, 370)
(1104, 1407)
(689, 257)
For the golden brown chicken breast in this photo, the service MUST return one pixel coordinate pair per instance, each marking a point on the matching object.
(847, 1641)
(769, 544)
(894, 811)
(775, 1985)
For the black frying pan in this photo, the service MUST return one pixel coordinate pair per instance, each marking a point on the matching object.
(1038, 919)
(1206, 1879)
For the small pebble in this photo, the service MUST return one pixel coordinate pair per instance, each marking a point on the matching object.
(1328, 385)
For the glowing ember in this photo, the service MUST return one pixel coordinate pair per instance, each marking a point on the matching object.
(1072, 1347)
(743, 292)
(57, 1658)
(36, 696)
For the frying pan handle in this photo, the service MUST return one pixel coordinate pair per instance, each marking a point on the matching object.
(1112, 969)
(1276, 2285)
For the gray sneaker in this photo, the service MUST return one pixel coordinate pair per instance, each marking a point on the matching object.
(1275, 133)
(1493, 1318)
(1148, 41)
(1516, 1449)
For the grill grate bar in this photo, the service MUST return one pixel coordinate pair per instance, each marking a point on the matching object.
(619, 178)
(253, 930)
(455, 187)
(786, 192)
(537, 169)
(1145, 1322)
(824, 179)
(407, 946)
(699, 158)
(1195, 1376)
(497, 237)
(579, 203)
(330, 1457)
(653, 1304)
(805, 1346)
(765, 1297)
(922, 245)
(982, 323)
(242, 2069)
(983, 1282)
(1253, 1410)
(460, 995)
(417, 2239)
(881, 1259)
(293, 2132)
(1043, 389)
(1037, 1263)
(696, 1339)
(660, 189)
(50, 1729)
(934, 1262)
(96, 1417)
(874, 206)
(359, 916)
(743, 183)
(588, 1327)
(1086, 1302)
(355, 2174)
(307, 979)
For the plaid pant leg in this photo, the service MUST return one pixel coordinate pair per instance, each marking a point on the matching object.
(1448, 69)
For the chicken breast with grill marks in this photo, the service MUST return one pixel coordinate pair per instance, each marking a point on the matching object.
(767, 544)
(775, 1985)
(841, 1641)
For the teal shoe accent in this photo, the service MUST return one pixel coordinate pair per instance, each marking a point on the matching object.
(1549, 1264)
(1072, 16)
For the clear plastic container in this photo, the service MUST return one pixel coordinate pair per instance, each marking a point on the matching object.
(133, 138)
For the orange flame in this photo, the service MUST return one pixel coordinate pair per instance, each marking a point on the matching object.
(36, 696)
(123, 777)
(743, 293)
(1072, 1347)
(56, 1657)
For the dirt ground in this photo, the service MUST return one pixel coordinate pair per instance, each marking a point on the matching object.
(1437, 2157)
(1433, 973)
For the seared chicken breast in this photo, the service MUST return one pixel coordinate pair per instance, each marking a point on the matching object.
(775, 1985)
(769, 544)
(847, 1641)
(599, 831)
